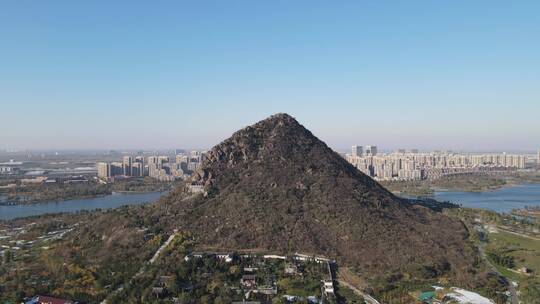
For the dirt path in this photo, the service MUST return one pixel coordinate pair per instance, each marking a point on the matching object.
(506, 229)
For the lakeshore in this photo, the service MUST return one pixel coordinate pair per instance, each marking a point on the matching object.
(502, 200)
(117, 199)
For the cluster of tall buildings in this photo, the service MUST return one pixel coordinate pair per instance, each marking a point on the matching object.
(161, 167)
(412, 165)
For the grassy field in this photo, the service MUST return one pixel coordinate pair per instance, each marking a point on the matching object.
(526, 252)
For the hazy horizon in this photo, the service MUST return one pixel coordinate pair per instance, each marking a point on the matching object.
(457, 76)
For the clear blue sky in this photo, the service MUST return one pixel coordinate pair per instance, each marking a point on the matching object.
(157, 74)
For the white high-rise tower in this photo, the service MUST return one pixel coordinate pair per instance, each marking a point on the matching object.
(356, 151)
(371, 150)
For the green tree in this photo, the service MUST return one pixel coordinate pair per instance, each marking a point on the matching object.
(530, 291)
(8, 256)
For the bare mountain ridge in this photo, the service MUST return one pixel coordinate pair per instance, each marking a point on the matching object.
(274, 186)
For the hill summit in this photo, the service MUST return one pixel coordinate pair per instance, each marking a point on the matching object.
(274, 186)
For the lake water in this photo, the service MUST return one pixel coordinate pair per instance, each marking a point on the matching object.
(501, 200)
(104, 202)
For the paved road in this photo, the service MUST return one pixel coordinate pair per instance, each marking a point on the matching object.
(143, 268)
(369, 299)
(160, 250)
(508, 230)
(513, 293)
(152, 260)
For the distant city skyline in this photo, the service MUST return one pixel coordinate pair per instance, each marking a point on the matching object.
(341, 150)
(460, 75)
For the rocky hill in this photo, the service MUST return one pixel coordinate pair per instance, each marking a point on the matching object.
(274, 186)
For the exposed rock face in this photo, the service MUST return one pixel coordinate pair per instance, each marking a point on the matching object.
(277, 141)
(274, 186)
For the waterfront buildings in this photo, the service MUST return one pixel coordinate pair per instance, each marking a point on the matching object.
(156, 166)
(126, 165)
(103, 170)
(137, 169)
(402, 165)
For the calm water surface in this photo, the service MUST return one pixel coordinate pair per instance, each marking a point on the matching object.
(500, 200)
(105, 202)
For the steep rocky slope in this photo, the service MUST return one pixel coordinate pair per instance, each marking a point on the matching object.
(274, 186)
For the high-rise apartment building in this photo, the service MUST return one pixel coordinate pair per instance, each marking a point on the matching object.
(163, 159)
(152, 160)
(357, 151)
(371, 150)
(137, 169)
(104, 170)
(181, 159)
(403, 165)
(127, 162)
(117, 168)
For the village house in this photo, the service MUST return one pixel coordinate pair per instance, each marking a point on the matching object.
(306, 258)
(248, 281)
(275, 257)
(47, 300)
(267, 290)
(291, 269)
(196, 255)
(158, 292)
(525, 270)
(227, 257)
(328, 287)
